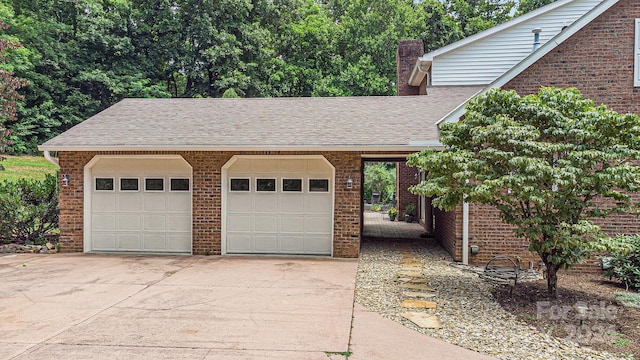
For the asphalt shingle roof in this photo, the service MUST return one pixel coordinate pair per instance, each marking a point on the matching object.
(347, 123)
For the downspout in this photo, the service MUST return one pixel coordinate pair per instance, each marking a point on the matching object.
(47, 155)
(465, 233)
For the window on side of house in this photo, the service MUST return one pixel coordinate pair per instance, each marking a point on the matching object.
(636, 55)
(104, 184)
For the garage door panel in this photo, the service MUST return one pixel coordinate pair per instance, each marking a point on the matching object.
(292, 243)
(155, 241)
(178, 202)
(266, 203)
(239, 242)
(179, 242)
(266, 223)
(154, 222)
(292, 204)
(293, 166)
(131, 242)
(239, 223)
(130, 202)
(267, 243)
(104, 222)
(292, 223)
(281, 220)
(318, 244)
(317, 224)
(144, 219)
(178, 222)
(103, 241)
(315, 204)
(155, 202)
(129, 222)
(240, 204)
(103, 202)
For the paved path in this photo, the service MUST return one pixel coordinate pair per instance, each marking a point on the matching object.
(378, 225)
(77, 306)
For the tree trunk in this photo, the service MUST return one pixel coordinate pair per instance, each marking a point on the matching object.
(552, 279)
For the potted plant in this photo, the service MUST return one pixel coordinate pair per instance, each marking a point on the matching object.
(393, 212)
(408, 213)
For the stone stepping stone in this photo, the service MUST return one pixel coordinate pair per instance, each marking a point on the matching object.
(404, 279)
(423, 320)
(410, 260)
(417, 287)
(411, 268)
(418, 281)
(413, 274)
(418, 304)
(412, 264)
(418, 294)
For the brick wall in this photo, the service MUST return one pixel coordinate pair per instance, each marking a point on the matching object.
(448, 230)
(598, 60)
(406, 56)
(207, 190)
(405, 177)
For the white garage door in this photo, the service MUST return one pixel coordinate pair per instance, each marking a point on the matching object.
(140, 205)
(279, 206)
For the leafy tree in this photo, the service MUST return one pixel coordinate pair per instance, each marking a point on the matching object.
(9, 85)
(478, 15)
(380, 177)
(549, 162)
(524, 6)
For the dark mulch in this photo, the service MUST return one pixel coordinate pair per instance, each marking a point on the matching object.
(608, 325)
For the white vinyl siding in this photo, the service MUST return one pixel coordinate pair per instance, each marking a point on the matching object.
(636, 53)
(481, 62)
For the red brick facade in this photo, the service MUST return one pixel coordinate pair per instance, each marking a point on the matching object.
(598, 60)
(207, 197)
(405, 178)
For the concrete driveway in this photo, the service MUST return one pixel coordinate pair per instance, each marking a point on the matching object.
(76, 306)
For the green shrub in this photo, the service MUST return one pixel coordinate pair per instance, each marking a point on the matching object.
(376, 207)
(28, 209)
(625, 265)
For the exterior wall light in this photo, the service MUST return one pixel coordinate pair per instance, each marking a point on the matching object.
(349, 183)
(65, 180)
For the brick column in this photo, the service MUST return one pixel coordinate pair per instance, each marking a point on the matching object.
(406, 56)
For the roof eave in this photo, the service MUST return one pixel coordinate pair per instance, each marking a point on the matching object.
(420, 70)
(411, 147)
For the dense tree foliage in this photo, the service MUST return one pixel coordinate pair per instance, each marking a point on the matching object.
(79, 57)
(550, 162)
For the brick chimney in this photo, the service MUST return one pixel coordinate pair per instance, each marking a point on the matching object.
(408, 52)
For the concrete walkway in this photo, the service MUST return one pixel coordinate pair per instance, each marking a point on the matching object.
(75, 306)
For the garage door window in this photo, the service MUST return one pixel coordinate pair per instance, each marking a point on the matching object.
(104, 184)
(179, 184)
(292, 185)
(266, 185)
(154, 184)
(239, 184)
(318, 185)
(128, 184)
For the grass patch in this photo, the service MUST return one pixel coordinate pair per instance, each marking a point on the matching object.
(629, 299)
(29, 167)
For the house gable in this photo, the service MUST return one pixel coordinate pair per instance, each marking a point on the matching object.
(483, 57)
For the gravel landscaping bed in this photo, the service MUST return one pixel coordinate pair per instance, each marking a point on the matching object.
(466, 308)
